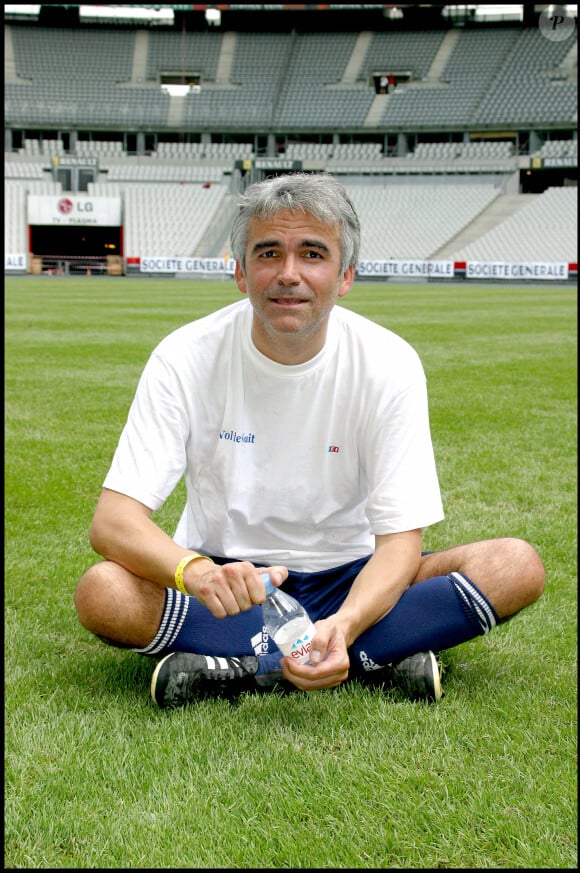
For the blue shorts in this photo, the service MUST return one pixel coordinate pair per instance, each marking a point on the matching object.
(321, 593)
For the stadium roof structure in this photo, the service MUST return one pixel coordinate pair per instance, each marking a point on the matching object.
(238, 16)
(130, 13)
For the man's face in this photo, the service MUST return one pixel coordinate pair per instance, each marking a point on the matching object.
(293, 280)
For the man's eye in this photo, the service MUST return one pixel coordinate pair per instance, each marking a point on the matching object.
(269, 253)
(313, 254)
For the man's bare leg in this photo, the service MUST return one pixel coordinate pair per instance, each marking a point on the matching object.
(507, 570)
(119, 607)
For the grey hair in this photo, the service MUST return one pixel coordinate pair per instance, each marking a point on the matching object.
(319, 194)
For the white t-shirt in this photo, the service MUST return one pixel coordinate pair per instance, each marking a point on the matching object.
(296, 465)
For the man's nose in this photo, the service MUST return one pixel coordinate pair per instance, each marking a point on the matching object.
(289, 273)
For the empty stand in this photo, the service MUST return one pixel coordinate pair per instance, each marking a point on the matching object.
(290, 81)
(143, 170)
(192, 52)
(73, 54)
(168, 219)
(470, 68)
(528, 88)
(403, 51)
(16, 192)
(545, 230)
(296, 89)
(413, 221)
(312, 94)
(554, 148)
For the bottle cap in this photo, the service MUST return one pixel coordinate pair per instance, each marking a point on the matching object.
(268, 583)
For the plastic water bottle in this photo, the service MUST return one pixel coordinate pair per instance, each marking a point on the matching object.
(287, 622)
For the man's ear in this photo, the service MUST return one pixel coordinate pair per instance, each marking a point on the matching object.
(240, 278)
(346, 281)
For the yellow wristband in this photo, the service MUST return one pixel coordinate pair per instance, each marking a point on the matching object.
(181, 567)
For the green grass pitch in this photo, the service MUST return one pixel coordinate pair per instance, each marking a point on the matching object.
(97, 776)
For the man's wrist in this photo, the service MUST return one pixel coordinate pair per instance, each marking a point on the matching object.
(347, 626)
(185, 562)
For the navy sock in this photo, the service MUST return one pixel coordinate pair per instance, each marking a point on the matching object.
(188, 626)
(435, 614)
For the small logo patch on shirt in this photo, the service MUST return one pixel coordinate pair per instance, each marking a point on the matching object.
(334, 448)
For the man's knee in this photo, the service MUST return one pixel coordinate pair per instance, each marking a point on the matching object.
(118, 607)
(90, 591)
(531, 568)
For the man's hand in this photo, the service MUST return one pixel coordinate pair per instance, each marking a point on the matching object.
(228, 589)
(330, 656)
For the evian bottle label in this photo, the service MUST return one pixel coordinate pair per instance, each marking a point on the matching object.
(295, 640)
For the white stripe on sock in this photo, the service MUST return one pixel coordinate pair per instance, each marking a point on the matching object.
(479, 604)
(174, 615)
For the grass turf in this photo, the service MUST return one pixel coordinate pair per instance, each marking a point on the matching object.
(97, 776)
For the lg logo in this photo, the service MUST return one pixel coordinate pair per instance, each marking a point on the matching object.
(66, 206)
